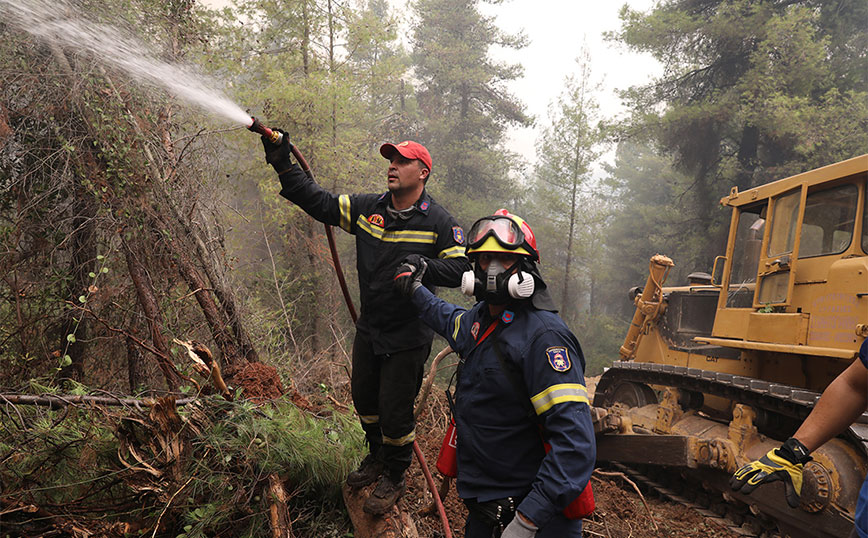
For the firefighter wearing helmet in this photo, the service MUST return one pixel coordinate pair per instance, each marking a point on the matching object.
(525, 441)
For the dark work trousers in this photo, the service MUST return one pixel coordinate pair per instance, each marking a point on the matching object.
(384, 389)
(558, 527)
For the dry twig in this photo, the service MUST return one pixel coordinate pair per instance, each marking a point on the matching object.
(635, 487)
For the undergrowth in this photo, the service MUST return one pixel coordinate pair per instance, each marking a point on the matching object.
(123, 472)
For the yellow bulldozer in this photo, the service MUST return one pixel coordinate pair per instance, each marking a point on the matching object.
(715, 373)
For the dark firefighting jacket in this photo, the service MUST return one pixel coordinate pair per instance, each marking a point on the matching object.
(382, 242)
(500, 450)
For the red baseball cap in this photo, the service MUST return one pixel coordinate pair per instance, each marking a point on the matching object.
(409, 150)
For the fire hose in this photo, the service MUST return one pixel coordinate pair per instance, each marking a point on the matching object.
(276, 137)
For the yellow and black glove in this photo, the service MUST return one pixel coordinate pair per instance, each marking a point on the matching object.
(785, 463)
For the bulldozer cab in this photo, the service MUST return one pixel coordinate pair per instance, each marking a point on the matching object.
(795, 272)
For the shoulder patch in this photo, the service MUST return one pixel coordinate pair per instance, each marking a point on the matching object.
(559, 358)
(474, 330)
(377, 220)
(458, 234)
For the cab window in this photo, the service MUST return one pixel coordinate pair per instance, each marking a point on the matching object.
(830, 217)
(746, 255)
(865, 222)
(785, 218)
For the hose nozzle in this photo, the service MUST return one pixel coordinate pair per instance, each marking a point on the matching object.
(275, 137)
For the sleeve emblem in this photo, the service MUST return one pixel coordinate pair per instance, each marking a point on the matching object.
(474, 330)
(458, 234)
(559, 358)
(377, 220)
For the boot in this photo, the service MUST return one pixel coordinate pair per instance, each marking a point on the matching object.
(368, 472)
(385, 495)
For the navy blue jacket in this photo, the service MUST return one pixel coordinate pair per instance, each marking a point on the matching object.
(387, 319)
(500, 449)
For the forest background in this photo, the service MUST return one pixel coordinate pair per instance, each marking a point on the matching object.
(129, 219)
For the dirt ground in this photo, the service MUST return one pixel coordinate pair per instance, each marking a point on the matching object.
(620, 512)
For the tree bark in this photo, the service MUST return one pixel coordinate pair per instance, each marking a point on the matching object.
(200, 289)
(397, 523)
(134, 359)
(278, 511)
(82, 263)
(150, 308)
(747, 156)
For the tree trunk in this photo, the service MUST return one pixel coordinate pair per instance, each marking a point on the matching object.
(200, 290)
(565, 305)
(316, 316)
(278, 511)
(82, 263)
(150, 308)
(747, 156)
(134, 360)
(396, 523)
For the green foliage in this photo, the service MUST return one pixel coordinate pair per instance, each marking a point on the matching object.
(465, 105)
(57, 459)
(751, 92)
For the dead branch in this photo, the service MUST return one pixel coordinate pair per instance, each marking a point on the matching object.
(278, 511)
(337, 403)
(204, 363)
(635, 487)
(57, 401)
(429, 381)
(163, 358)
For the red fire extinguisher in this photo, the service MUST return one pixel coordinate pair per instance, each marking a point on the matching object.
(447, 462)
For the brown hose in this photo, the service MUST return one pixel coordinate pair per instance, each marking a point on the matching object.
(330, 234)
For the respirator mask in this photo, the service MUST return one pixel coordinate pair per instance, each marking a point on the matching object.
(498, 285)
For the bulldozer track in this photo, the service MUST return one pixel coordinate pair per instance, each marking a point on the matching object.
(772, 400)
(785, 400)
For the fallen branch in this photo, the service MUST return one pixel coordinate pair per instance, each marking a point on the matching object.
(278, 511)
(429, 381)
(337, 403)
(58, 401)
(635, 487)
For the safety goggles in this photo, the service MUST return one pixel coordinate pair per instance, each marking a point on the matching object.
(503, 229)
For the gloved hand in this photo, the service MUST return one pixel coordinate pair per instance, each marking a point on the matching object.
(519, 528)
(408, 275)
(277, 155)
(785, 463)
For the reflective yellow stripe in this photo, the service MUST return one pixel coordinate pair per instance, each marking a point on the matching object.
(396, 236)
(344, 206)
(363, 224)
(369, 419)
(457, 325)
(452, 252)
(564, 392)
(406, 440)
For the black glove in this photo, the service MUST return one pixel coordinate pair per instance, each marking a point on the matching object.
(408, 275)
(785, 463)
(277, 155)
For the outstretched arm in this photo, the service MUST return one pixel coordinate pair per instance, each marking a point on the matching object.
(840, 405)
(300, 188)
